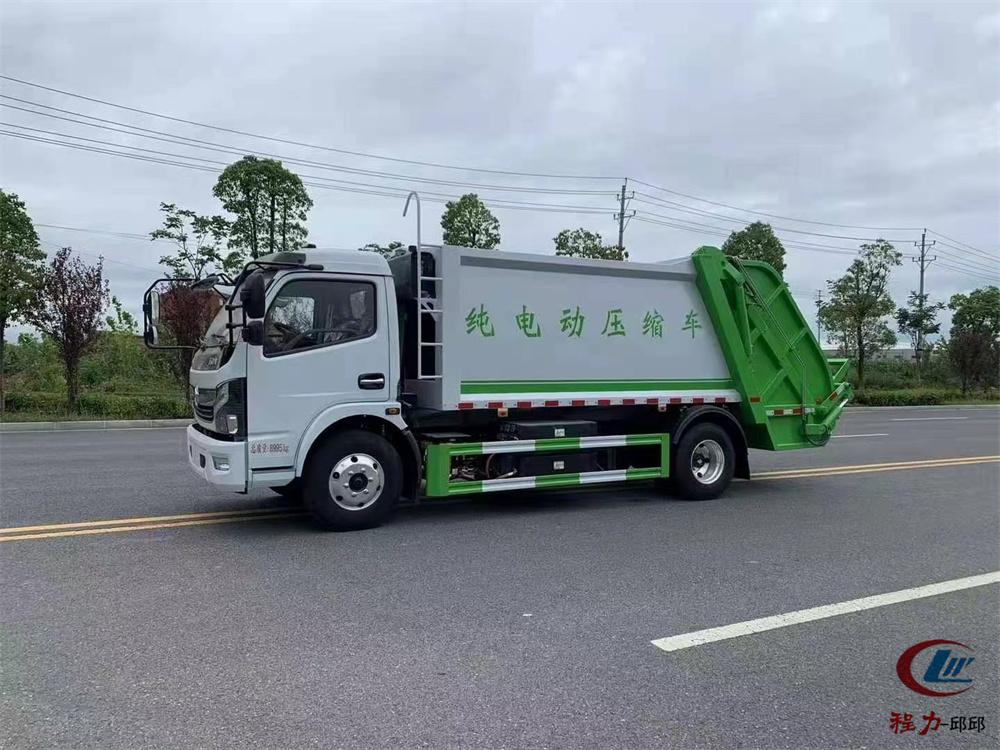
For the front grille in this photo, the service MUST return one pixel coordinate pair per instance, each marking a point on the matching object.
(203, 401)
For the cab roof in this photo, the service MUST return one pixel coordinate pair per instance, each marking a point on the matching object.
(336, 261)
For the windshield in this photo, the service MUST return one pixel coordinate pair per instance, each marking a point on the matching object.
(217, 334)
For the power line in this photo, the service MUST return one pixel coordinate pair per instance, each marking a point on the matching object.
(968, 253)
(776, 228)
(316, 180)
(964, 244)
(303, 144)
(513, 205)
(774, 216)
(181, 140)
(972, 273)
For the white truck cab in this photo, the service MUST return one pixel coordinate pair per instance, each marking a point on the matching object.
(330, 350)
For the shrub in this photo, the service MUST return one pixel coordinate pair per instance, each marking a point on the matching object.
(101, 405)
(907, 397)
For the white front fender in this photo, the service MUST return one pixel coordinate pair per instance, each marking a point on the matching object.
(340, 412)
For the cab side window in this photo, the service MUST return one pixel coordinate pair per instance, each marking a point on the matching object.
(312, 312)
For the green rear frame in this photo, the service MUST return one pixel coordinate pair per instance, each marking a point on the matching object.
(792, 396)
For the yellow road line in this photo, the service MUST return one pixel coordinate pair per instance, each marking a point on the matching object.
(833, 471)
(145, 519)
(146, 526)
(871, 467)
(111, 526)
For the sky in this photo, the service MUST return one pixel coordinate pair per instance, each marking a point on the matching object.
(845, 119)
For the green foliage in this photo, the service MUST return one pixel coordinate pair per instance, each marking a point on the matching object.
(387, 251)
(973, 345)
(582, 243)
(34, 365)
(100, 406)
(200, 241)
(855, 315)
(908, 397)
(895, 374)
(918, 319)
(757, 241)
(73, 297)
(118, 362)
(21, 270)
(977, 311)
(270, 204)
(468, 223)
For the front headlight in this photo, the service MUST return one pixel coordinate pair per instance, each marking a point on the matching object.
(230, 408)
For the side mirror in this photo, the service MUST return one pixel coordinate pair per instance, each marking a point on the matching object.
(253, 332)
(252, 296)
(151, 307)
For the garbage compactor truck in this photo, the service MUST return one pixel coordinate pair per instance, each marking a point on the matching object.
(351, 381)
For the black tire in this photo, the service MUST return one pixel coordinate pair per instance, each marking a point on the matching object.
(357, 454)
(292, 492)
(714, 440)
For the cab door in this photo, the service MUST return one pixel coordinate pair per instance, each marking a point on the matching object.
(326, 343)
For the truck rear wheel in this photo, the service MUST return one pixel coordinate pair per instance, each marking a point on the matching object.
(703, 462)
(353, 481)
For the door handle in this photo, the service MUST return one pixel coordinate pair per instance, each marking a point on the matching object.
(371, 381)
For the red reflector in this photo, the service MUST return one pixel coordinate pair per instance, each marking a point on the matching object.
(652, 401)
(495, 404)
(779, 412)
(675, 400)
(797, 411)
(628, 402)
(523, 404)
(720, 399)
(604, 402)
(579, 402)
(697, 400)
(466, 405)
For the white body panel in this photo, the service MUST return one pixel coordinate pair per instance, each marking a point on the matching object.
(533, 329)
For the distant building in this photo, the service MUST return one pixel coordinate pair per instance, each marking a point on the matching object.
(904, 354)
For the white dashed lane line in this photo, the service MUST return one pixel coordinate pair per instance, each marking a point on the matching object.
(749, 627)
(924, 419)
(870, 434)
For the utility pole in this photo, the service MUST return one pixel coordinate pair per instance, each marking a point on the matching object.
(819, 326)
(622, 216)
(924, 261)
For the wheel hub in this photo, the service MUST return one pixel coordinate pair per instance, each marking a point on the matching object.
(356, 481)
(708, 462)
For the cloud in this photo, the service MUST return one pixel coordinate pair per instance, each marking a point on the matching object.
(868, 114)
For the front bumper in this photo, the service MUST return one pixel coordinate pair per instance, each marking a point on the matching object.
(219, 462)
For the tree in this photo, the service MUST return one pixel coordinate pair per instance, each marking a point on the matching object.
(582, 243)
(185, 315)
(393, 248)
(21, 269)
(73, 297)
(918, 320)
(854, 316)
(200, 241)
(757, 241)
(974, 340)
(270, 204)
(468, 223)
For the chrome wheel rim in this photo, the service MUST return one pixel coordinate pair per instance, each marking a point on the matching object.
(356, 481)
(708, 461)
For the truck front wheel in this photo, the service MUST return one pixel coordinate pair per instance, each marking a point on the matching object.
(353, 481)
(704, 462)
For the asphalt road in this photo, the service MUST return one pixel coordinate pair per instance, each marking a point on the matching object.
(517, 622)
